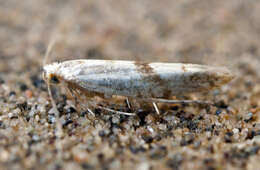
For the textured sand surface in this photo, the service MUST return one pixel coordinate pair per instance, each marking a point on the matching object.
(219, 33)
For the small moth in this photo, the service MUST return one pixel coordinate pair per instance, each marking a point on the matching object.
(154, 82)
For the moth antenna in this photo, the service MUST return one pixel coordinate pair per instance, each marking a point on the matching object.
(52, 101)
(49, 48)
(158, 100)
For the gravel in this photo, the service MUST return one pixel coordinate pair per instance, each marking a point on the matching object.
(221, 33)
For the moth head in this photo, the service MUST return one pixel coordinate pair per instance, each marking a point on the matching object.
(51, 73)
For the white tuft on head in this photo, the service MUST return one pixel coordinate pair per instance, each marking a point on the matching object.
(50, 70)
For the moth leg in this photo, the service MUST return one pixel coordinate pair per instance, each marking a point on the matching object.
(111, 110)
(115, 111)
(90, 111)
(156, 108)
(75, 94)
(128, 103)
(155, 100)
(132, 104)
(87, 107)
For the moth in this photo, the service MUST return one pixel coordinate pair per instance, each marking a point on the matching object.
(152, 82)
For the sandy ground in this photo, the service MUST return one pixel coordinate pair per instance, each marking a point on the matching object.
(219, 33)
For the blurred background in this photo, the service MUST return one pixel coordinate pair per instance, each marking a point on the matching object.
(220, 33)
(208, 32)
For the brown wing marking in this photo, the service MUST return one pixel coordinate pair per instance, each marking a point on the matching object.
(149, 75)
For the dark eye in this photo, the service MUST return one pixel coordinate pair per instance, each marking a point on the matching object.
(54, 79)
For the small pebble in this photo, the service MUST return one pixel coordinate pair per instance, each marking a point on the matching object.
(53, 111)
(248, 117)
(235, 130)
(67, 122)
(187, 139)
(228, 137)
(70, 110)
(158, 152)
(12, 93)
(22, 86)
(136, 150)
(147, 138)
(218, 112)
(222, 104)
(252, 150)
(151, 130)
(23, 106)
(17, 111)
(103, 133)
(257, 139)
(208, 134)
(251, 134)
(51, 118)
(12, 115)
(28, 93)
(37, 118)
(87, 166)
(35, 138)
(115, 119)
(196, 144)
(175, 161)
(143, 166)
(162, 126)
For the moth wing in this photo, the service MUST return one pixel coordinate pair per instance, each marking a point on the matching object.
(135, 79)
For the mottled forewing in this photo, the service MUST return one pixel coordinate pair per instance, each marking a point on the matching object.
(137, 79)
